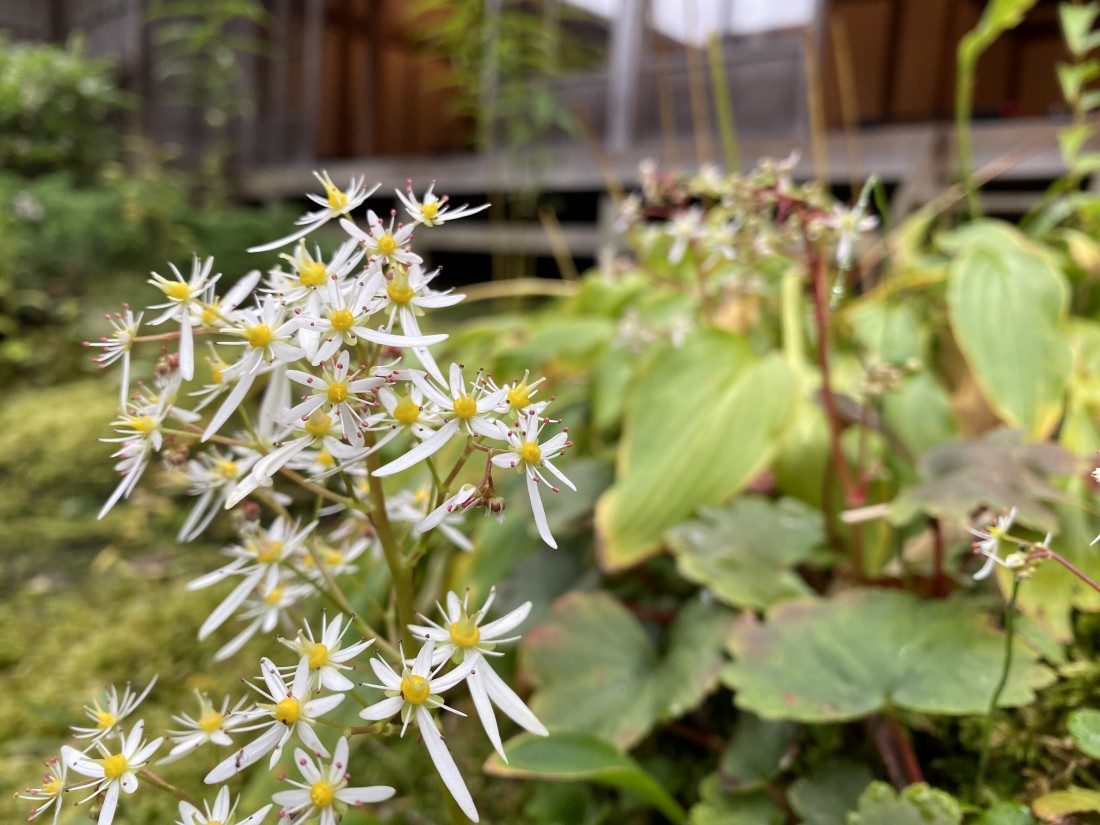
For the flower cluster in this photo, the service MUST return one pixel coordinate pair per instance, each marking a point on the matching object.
(319, 385)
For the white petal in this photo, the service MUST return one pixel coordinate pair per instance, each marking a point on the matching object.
(506, 623)
(448, 771)
(382, 710)
(363, 796)
(538, 512)
(187, 347)
(485, 710)
(421, 451)
(230, 404)
(226, 609)
(506, 699)
(248, 755)
(257, 817)
(422, 666)
(128, 782)
(386, 674)
(110, 802)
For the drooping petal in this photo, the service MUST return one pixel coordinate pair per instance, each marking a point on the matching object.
(444, 763)
(382, 710)
(510, 704)
(485, 710)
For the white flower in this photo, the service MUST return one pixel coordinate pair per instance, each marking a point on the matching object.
(183, 296)
(432, 211)
(287, 714)
(990, 542)
(114, 772)
(848, 224)
(685, 227)
(519, 395)
(257, 560)
(264, 613)
(49, 794)
(412, 694)
(381, 242)
(325, 792)
(311, 273)
(211, 725)
(470, 413)
(117, 346)
(409, 506)
(528, 456)
(461, 638)
(333, 392)
(112, 710)
(266, 335)
(466, 497)
(220, 814)
(326, 657)
(335, 203)
(212, 311)
(212, 476)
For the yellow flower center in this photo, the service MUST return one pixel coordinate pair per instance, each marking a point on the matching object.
(213, 822)
(52, 787)
(211, 721)
(208, 317)
(530, 452)
(104, 719)
(406, 411)
(216, 374)
(415, 689)
(114, 766)
(386, 244)
(518, 396)
(226, 468)
(288, 711)
(338, 392)
(399, 294)
(342, 320)
(333, 557)
(142, 424)
(274, 596)
(464, 632)
(318, 655)
(318, 424)
(337, 198)
(465, 407)
(322, 794)
(429, 209)
(324, 458)
(312, 273)
(259, 335)
(269, 551)
(176, 290)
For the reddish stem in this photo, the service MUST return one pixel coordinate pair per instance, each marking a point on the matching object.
(1047, 553)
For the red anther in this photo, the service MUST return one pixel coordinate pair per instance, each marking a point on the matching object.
(565, 429)
(555, 489)
(568, 443)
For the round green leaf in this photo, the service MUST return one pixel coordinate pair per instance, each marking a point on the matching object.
(738, 807)
(745, 553)
(571, 756)
(701, 421)
(859, 652)
(1006, 302)
(917, 805)
(825, 796)
(1054, 806)
(1084, 727)
(598, 670)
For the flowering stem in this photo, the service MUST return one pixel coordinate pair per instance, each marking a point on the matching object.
(1047, 553)
(340, 600)
(987, 731)
(156, 781)
(400, 573)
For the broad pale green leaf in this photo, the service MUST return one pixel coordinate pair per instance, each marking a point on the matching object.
(755, 754)
(1006, 813)
(919, 413)
(888, 331)
(736, 807)
(598, 671)
(918, 804)
(1007, 301)
(1053, 806)
(746, 552)
(826, 796)
(701, 420)
(1084, 727)
(816, 660)
(571, 756)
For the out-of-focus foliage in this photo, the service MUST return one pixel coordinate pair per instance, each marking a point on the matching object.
(59, 110)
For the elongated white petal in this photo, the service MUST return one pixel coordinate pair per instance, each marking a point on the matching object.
(444, 763)
(425, 448)
(309, 738)
(256, 818)
(510, 704)
(251, 753)
(187, 347)
(538, 512)
(382, 710)
(554, 471)
(110, 802)
(363, 796)
(449, 680)
(485, 710)
(229, 406)
(228, 606)
(507, 622)
(128, 782)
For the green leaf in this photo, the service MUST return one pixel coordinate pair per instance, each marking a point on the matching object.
(1006, 813)
(598, 671)
(702, 420)
(755, 754)
(1084, 727)
(716, 807)
(917, 805)
(573, 757)
(825, 796)
(1006, 301)
(889, 331)
(995, 471)
(920, 413)
(864, 650)
(745, 553)
(1076, 22)
(1053, 806)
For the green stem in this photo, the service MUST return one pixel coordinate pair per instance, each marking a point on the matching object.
(167, 787)
(400, 573)
(964, 139)
(987, 732)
